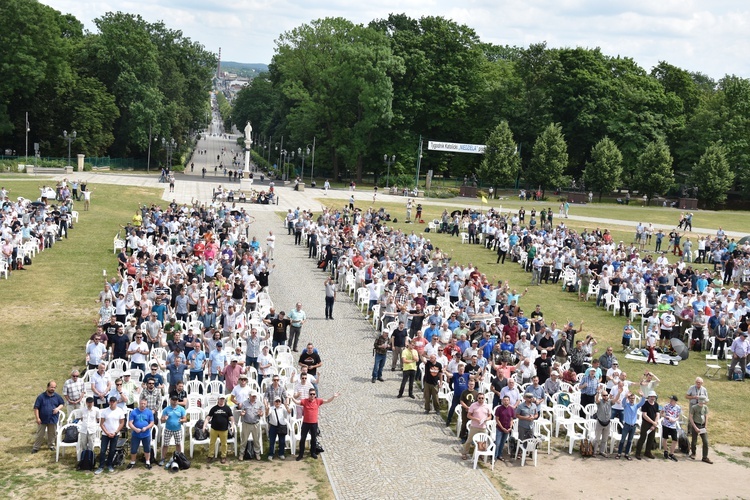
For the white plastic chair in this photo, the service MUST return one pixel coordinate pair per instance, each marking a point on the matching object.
(489, 452)
(526, 447)
(231, 442)
(194, 387)
(60, 445)
(543, 432)
(578, 431)
(215, 387)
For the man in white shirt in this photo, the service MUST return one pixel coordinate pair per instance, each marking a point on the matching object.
(101, 385)
(138, 350)
(88, 424)
(270, 244)
(112, 421)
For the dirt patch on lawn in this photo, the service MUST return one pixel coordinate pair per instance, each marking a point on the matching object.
(563, 476)
(253, 479)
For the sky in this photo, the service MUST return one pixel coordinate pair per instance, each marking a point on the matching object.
(708, 37)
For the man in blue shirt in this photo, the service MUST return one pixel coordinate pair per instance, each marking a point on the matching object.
(588, 385)
(431, 330)
(141, 421)
(217, 361)
(197, 362)
(47, 412)
(172, 417)
(630, 417)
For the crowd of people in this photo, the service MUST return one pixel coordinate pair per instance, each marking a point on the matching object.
(187, 338)
(447, 326)
(28, 227)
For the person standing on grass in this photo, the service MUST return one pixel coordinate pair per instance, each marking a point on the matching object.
(112, 422)
(310, 408)
(698, 421)
(173, 417)
(47, 413)
(140, 421)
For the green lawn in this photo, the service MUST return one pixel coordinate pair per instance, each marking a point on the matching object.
(726, 397)
(48, 312)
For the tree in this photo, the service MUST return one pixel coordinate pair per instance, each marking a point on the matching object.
(653, 171)
(602, 173)
(501, 162)
(550, 157)
(712, 175)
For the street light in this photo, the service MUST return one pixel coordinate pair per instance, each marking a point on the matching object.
(170, 146)
(282, 164)
(304, 152)
(390, 162)
(70, 138)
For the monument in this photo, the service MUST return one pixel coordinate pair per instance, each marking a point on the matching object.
(246, 184)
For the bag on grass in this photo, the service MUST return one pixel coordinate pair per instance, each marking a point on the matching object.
(249, 452)
(181, 460)
(87, 460)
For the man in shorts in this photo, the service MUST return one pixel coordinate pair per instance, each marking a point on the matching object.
(670, 417)
(172, 417)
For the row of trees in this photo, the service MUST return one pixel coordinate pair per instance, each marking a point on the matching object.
(366, 91)
(129, 81)
(652, 174)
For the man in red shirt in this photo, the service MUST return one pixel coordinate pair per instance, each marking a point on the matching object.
(310, 408)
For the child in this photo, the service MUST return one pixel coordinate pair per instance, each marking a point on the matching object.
(627, 334)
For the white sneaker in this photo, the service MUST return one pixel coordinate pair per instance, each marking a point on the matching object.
(111, 470)
(98, 471)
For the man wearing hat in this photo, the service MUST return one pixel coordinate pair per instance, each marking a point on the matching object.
(526, 413)
(112, 421)
(649, 411)
(88, 425)
(670, 417)
(173, 417)
(220, 419)
(409, 357)
(697, 422)
(250, 412)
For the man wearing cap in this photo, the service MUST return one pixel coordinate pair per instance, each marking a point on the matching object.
(173, 417)
(217, 361)
(250, 412)
(670, 418)
(603, 416)
(432, 331)
(649, 411)
(241, 392)
(220, 419)
(111, 422)
(697, 423)
(88, 425)
(233, 370)
(739, 350)
(526, 412)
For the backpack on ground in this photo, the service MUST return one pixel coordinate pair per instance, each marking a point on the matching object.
(87, 460)
(200, 434)
(181, 460)
(249, 452)
(587, 449)
(71, 434)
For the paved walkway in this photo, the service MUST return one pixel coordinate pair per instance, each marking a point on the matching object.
(376, 445)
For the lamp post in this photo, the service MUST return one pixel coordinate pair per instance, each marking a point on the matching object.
(304, 152)
(70, 138)
(282, 164)
(169, 146)
(289, 165)
(312, 165)
(389, 162)
(28, 129)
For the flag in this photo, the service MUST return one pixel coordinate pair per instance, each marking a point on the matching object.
(484, 199)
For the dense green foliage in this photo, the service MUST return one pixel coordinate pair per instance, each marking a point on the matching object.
(712, 175)
(365, 91)
(501, 163)
(602, 173)
(114, 87)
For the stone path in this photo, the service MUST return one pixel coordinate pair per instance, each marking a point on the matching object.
(376, 445)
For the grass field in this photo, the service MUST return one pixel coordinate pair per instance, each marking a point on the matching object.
(47, 314)
(727, 398)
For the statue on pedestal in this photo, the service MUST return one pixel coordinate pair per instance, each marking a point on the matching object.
(248, 145)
